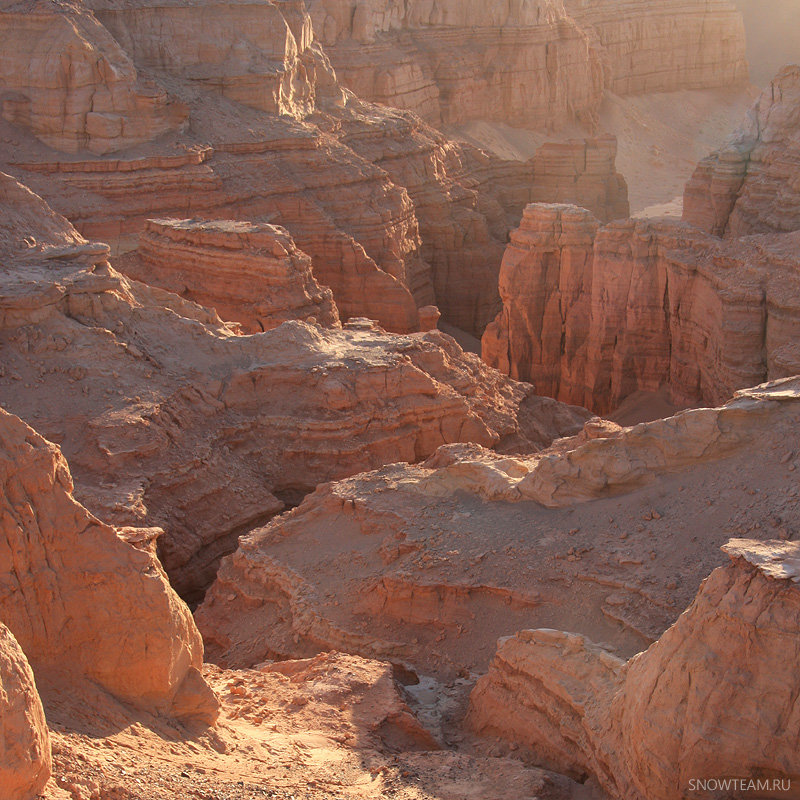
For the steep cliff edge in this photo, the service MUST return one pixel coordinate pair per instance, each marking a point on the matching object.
(593, 314)
(652, 47)
(250, 273)
(71, 84)
(713, 697)
(455, 61)
(750, 185)
(539, 64)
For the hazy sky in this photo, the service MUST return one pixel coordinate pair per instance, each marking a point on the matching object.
(773, 34)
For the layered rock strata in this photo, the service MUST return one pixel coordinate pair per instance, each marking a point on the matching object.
(750, 185)
(455, 61)
(25, 759)
(206, 432)
(442, 558)
(714, 696)
(84, 603)
(428, 227)
(69, 82)
(250, 273)
(594, 314)
(255, 52)
(651, 47)
(539, 64)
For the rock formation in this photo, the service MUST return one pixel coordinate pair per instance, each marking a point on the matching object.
(251, 273)
(454, 61)
(84, 603)
(581, 168)
(206, 432)
(24, 742)
(255, 52)
(607, 534)
(531, 64)
(260, 335)
(750, 185)
(390, 211)
(70, 83)
(652, 47)
(592, 315)
(713, 697)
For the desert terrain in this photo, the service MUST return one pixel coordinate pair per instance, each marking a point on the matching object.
(399, 400)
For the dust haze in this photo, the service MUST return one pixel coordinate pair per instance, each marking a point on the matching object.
(773, 36)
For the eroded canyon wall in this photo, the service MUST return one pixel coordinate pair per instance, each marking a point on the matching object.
(524, 63)
(250, 273)
(539, 63)
(70, 83)
(652, 46)
(607, 533)
(204, 430)
(593, 314)
(394, 216)
(255, 52)
(84, 603)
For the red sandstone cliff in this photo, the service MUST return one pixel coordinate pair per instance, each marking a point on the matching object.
(84, 604)
(593, 314)
(250, 273)
(540, 64)
(67, 80)
(394, 216)
(651, 46)
(25, 759)
(455, 61)
(203, 430)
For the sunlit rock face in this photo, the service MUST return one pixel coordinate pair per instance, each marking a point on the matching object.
(250, 273)
(607, 532)
(519, 62)
(256, 52)
(593, 314)
(116, 622)
(206, 431)
(25, 759)
(255, 127)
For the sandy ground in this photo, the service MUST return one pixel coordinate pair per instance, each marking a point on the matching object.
(335, 727)
(661, 138)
